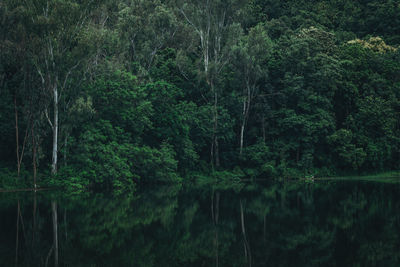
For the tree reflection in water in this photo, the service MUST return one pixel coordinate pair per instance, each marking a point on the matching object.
(276, 224)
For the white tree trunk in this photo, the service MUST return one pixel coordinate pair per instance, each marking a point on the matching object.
(55, 132)
(242, 127)
(241, 138)
(246, 111)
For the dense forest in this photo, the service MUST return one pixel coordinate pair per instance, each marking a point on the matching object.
(108, 94)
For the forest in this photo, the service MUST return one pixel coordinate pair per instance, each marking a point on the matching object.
(109, 94)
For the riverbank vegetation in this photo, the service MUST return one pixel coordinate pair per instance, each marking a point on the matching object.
(109, 94)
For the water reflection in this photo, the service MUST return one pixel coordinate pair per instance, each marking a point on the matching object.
(280, 224)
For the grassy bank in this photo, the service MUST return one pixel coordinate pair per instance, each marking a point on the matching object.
(384, 177)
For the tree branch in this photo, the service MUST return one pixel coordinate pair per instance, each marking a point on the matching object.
(48, 119)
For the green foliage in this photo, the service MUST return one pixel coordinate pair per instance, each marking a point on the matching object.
(155, 164)
(104, 157)
(118, 99)
(158, 90)
(8, 178)
(348, 155)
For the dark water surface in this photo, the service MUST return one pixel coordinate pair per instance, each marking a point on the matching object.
(277, 224)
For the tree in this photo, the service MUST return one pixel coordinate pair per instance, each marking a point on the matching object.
(213, 22)
(252, 54)
(60, 53)
(146, 27)
(304, 113)
(17, 80)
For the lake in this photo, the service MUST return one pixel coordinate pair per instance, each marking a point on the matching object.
(342, 223)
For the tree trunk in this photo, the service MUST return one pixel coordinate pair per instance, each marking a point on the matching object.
(65, 149)
(246, 111)
(17, 135)
(263, 127)
(34, 156)
(241, 138)
(215, 218)
(242, 128)
(17, 236)
(55, 231)
(20, 154)
(247, 250)
(215, 128)
(65, 224)
(55, 131)
(216, 248)
(217, 161)
(34, 218)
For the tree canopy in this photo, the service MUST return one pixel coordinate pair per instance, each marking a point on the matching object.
(108, 94)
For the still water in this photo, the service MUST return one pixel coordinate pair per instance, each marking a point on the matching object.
(276, 224)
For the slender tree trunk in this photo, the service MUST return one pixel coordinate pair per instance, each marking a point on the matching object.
(55, 131)
(34, 156)
(247, 250)
(217, 161)
(48, 255)
(246, 111)
(241, 138)
(55, 231)
(263, 127)
(19, 154)
(17, 236)
(242, 128)
(212, 152)
(65, 149)
(17, 135)
(34, 218)
(215, 218)
(217, 194)
(23, 227)
(216, 248)
(65, 224)
(215, 127)
(212, 207)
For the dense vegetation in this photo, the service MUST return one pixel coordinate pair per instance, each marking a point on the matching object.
(109, 93)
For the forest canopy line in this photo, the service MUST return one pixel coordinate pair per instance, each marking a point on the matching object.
(107, 94)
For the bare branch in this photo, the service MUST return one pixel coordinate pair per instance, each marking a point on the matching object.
(41, 76)
(24, 143)
(189, 21)
(69, 73)
(271, 94)
(48, 119)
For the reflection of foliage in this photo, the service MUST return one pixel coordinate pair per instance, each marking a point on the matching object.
(289, 224)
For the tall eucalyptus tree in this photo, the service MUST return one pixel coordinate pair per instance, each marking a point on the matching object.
(60, 52)
(214, 22)
(251, 64)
